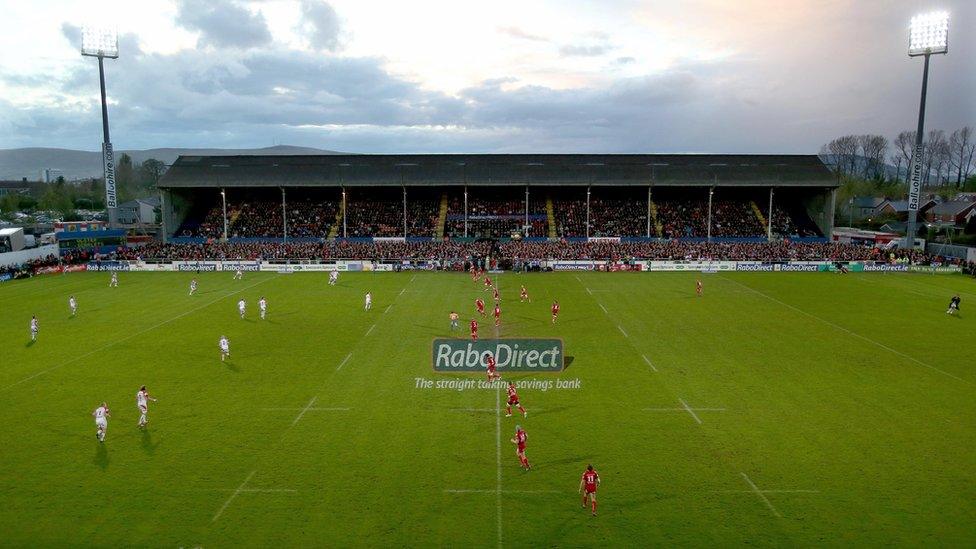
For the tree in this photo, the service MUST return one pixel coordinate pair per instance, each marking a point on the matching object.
(150, 171)
(962, 149)
(124, 177)
(873, 150)
(934, 156)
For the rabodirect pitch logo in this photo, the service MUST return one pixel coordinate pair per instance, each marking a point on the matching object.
(513, 355)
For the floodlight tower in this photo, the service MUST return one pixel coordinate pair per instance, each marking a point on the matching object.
(102, 43)
(929, 35)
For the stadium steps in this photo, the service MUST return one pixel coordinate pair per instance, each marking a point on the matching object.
(334, 231)
(442, 217)
(658, 228)
(759, 215)
(551, 217)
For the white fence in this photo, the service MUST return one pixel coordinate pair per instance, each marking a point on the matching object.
(16, 258)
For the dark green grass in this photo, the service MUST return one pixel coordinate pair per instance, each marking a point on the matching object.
(856, 391)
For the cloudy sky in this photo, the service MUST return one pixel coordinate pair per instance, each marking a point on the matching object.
(763, 76)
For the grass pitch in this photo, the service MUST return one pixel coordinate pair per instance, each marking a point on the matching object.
(778, 409)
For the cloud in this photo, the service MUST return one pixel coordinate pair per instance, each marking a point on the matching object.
(516, 32)
(223, 23)
(72, 33)
(321, 24)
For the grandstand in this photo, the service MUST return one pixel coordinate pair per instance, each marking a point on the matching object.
(718, 198)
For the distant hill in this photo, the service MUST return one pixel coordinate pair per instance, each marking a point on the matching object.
(28, 162)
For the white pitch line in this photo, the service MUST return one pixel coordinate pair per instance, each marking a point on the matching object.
(486, 410)
(343, 363)
(498, 459)
(313, 409)
(682, 409)
(690, 411)
(849, 332)
(602, 307)
(388, 308)
(649, 363)
(370, 330)
(622, 330)
(759, 493)
(412, 278)
(588, 290)
(131, 336)
(232, 496)
(492, 491)
(305, 409)
(401, 291)
(768, 491)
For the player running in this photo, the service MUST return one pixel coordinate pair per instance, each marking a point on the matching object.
(73, 305)
(454, 321)
(242, 307)
(474, 330)
(498, 315)
(193, 286)
(333, 278)
(488, 284)
(101, 415)
(953, 305)
(519, 442)
(142, 402)
(239, 274)
(698, 287)
(480, 305)
(555, 310)
(263, 306)
(224, 348)
(114, 283)
(513, 400)
(524, 295)
(490, 367)
(588, 485)
(496, 295)
(369, 301)
(33, 328)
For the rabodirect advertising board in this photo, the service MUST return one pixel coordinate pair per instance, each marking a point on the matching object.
(511, 355)
(196, 266)
(243, 266)
(754, 267)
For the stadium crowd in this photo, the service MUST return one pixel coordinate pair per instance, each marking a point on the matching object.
(561, 250)
(611, 214)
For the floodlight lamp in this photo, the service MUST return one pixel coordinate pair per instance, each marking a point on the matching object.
(929, 34)
(100, 42)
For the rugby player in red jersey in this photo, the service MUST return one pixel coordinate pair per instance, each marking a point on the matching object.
(480, 305)
(524, 295)
(490, 363)
(519, 442)
(588, 486)
(488, 283)
(497, 296)
(498, 316)
(513, 400)
(474, 330)
(555, 310)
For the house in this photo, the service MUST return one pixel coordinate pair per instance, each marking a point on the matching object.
(958, 212)
(139, 211)
(14, 187)
(864, 206)
(899, 208)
